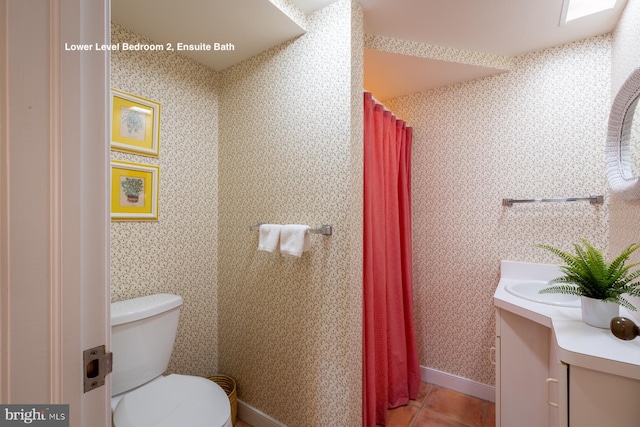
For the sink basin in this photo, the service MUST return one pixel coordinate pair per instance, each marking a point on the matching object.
(529, 291)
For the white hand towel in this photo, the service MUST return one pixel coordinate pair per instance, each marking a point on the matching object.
(294, 239)
(269, 236)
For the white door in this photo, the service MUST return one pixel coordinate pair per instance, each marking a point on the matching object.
(54, 223)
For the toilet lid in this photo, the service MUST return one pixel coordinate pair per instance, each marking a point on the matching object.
(174, 400)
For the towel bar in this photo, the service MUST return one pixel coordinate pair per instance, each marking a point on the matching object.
(594, 200)
(325, 229)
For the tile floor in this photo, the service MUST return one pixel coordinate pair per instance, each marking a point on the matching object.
(438, 407)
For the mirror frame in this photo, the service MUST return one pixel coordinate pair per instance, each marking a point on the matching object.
(618, 159)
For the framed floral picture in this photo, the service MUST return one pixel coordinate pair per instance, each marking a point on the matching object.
(135, 124)
(134, 191)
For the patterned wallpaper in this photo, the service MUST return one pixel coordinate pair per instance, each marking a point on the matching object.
(178, 253)
(277, 138)
(291, 10)
(291, 152)
(625, 57)
(536, 131)
(424, 50)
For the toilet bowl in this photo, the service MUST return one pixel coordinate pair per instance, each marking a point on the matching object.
(143, 332)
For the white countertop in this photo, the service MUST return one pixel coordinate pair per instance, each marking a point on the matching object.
(578, 343)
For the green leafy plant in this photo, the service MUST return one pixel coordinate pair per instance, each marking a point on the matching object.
(132, 186)
(588, 274)
(133, 120)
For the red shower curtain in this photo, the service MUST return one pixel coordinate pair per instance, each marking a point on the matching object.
(391, 372)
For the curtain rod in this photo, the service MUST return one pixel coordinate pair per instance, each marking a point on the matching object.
(379, 102)
(388, 109)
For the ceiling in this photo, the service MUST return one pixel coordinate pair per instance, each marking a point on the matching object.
(496, 30)
(251, 26)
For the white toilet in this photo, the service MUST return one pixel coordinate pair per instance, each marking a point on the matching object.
(143, 331)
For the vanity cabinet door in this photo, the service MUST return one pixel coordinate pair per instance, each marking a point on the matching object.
(559, 395)
(522, 356)
(558, 387)
(598, 399)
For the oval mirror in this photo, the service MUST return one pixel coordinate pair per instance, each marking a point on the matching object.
(623, 141)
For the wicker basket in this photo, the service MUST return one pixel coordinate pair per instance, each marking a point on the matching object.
(228, 384)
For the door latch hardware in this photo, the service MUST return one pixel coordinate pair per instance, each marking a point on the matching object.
(97, 364)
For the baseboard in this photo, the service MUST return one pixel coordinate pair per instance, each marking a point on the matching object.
(459, 384)
(255, 417)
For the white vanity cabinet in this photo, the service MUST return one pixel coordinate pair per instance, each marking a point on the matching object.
(534, 388)
(553, 370)
(599, 399)
(525, 359)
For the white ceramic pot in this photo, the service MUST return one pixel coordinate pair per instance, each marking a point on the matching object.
(598, 313)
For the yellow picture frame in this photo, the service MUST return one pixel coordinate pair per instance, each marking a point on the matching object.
(134, 191)
(135, 124)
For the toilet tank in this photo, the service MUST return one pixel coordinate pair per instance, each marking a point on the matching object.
(143, 331)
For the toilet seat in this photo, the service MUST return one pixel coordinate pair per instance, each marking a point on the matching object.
(173, 401)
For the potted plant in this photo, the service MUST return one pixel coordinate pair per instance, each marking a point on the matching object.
(132, 187)
(600, 285)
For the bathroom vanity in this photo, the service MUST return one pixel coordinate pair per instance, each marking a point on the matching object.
(551, 368)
